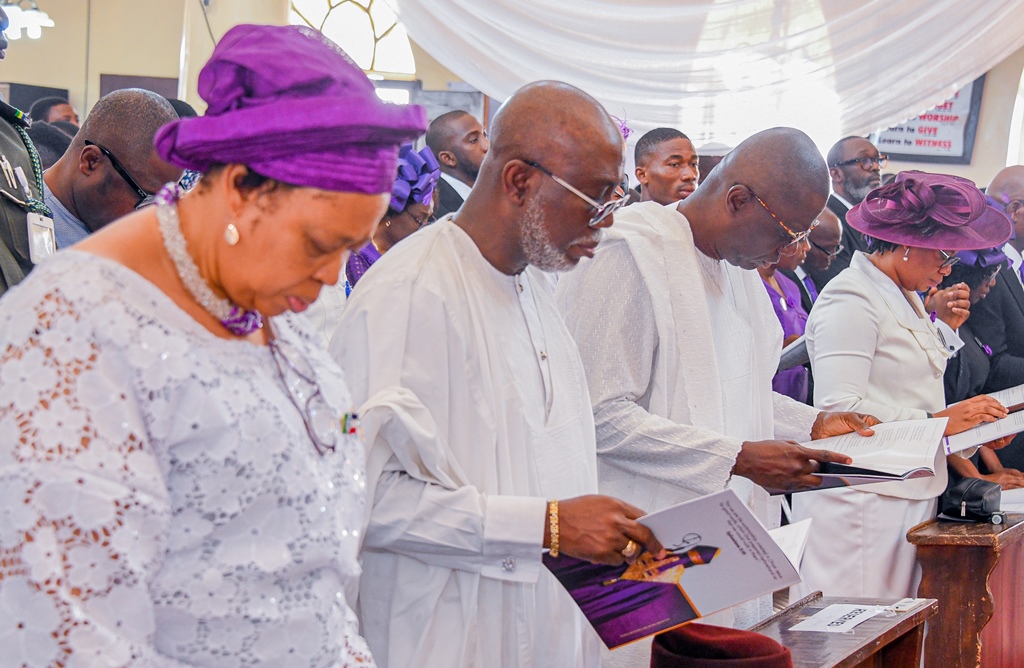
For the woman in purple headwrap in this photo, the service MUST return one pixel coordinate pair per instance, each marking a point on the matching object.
(182, 474)
(874, 349)
(412, 204)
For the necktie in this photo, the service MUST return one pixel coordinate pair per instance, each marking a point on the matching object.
(813, 291)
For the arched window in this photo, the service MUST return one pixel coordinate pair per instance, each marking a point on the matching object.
(369, 32)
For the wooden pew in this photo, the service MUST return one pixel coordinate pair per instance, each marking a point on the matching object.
(975, 571)
(880, 642)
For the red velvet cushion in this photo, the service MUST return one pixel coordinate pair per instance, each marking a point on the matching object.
(706, 646)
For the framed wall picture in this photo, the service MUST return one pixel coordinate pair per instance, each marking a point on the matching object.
(944, 134)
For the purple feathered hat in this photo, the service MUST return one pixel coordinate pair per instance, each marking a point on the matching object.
(288, 103)
(418, 173)
(936, 211)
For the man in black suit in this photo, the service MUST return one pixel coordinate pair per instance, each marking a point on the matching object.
(459, 143)
(854, 165)
(998, 320)
(825, 245)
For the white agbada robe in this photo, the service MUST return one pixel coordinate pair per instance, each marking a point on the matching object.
(679, 351)
(476, 412)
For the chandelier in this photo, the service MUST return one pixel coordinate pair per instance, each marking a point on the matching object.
(25, 15)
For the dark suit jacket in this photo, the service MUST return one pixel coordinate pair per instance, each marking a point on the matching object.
(448, 200)
(805, 296)
(14, 253)
(998, 321)
(852, 240)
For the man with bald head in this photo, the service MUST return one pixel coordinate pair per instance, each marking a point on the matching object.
(998, 319)
(680, 342)
(475, 409)
(854, 165)
(460, 144)
(824, 244)
(111, 167)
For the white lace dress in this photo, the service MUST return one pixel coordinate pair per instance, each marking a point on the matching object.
(161, 503)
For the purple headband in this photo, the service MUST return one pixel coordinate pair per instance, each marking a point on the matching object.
(417, 176)
(930, 211)
(288, 103)
(986, 257)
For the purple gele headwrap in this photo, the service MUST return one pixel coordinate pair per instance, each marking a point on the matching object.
(417, 175)
(291, 105)
(938, 211)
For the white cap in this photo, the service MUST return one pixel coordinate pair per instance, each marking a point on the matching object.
(713, 150)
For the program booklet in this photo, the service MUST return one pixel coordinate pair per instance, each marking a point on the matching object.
(794, 355)
(1013, 400)
(718, 555)
(902, 450)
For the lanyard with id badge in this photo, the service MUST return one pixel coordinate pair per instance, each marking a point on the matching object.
(39, 221)
(41, 240)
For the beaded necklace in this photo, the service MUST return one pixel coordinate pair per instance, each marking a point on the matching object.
(235, 319)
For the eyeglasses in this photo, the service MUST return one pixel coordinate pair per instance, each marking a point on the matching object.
(797, 237)
(832, 254)
(145, 198)
(601, 212)
(299, 380)
(420, 222)
(865, 162)
(948, 260)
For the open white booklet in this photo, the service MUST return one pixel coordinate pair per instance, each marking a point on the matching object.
(901, 450)
(1013, 400)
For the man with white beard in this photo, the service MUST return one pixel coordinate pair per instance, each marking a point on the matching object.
(475, 407)
(854, 166)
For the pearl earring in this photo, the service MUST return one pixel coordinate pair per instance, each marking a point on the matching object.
(387, 223)
(905, 258)
(231, 234)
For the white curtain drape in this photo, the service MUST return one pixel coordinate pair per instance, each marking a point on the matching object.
(722, 70)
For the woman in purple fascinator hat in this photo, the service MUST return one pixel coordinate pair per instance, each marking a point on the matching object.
(412, 204)
(876, 349)
(182, 451)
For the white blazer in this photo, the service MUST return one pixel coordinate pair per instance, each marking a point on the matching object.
(874, 351)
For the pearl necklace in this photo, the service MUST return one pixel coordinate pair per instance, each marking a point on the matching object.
(234, 318)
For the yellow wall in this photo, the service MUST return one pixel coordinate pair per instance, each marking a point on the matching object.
(433, 74)
(130, 37)
(992, 138)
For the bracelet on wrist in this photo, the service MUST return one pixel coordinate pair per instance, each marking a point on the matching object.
(553, 527)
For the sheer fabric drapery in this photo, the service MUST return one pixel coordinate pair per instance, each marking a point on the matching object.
(723, 70)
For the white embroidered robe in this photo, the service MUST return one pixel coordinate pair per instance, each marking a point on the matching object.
(476, 412)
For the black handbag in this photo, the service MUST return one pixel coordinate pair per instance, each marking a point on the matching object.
(971, 500)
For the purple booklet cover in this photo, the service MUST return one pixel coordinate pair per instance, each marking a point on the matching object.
(626, 603)
(718, 555)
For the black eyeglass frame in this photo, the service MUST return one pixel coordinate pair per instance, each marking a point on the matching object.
(834, 254)
(145, 198)
(948, 260)
(866, 162)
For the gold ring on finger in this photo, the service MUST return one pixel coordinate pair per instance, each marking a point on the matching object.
(630, 550)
